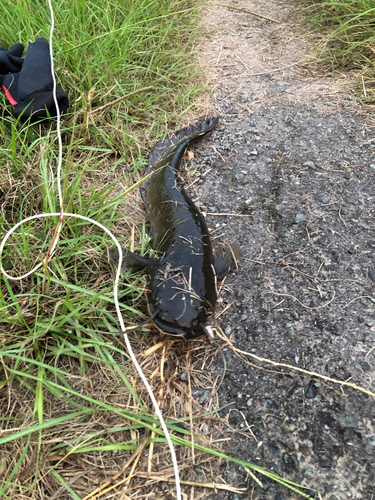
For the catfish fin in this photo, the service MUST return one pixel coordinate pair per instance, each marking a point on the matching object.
(226, 256)
(130, 259)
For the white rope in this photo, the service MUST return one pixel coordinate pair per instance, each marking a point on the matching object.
(57, 106)
(61, 214)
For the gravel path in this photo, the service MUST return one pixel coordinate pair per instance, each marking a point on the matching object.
(294, 159)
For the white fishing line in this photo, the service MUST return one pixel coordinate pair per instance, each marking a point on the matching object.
(61, 215)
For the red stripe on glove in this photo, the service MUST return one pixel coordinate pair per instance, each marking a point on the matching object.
(9, 96)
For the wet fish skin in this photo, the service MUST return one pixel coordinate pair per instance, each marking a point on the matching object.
(183, 282)
(182, 289)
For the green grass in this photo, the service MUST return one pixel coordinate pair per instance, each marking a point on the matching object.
(103, 51)
(348, 28)
(66, 390)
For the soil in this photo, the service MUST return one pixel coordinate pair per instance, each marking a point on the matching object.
(293, 159)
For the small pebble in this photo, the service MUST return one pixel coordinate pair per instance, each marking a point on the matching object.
(324, 198)
(204, 397)
(288, 428)
(365, 366)
(325, 463)
(309, 473)
(184, 376)
(228, 330)
(272, 403)
(311, 390)
(238, 176)
(308, 409)
(350, 420)
(309, 164)
(300, 218)
(295, 462)
(274, 450)
(337, 329)
(266, 485)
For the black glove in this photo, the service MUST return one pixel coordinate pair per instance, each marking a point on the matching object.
(11, 60)
(31, 90)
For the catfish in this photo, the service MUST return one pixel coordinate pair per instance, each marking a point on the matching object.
(183, 282)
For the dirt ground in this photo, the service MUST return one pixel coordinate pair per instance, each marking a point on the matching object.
(293, 158)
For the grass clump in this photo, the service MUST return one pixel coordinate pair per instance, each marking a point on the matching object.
(104, 51)
(348, 27)
(66, 390)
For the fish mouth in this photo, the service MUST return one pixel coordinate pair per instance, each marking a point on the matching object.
(174, 331)
(169, 329)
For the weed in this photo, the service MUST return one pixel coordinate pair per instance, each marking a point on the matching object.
(348, 30)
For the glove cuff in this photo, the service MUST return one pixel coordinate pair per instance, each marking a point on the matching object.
(40, 104)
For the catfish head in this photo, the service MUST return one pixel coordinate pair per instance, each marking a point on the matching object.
(181, 304)
(182, 300)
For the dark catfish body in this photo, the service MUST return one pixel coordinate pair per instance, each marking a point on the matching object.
(182, 290)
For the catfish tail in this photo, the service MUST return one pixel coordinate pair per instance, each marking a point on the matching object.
(173, 146)
(164, 151)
